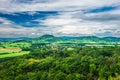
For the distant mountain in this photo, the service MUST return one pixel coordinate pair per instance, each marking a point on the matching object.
(47, 36)
(111, 38)
(13, 39)
(65, 37)
(45, 39)
(62, 39)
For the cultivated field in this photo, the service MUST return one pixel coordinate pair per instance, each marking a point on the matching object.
(11, 52)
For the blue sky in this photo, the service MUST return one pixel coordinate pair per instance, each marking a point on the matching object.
(33, 18)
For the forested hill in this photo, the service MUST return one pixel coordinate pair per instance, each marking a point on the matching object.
(60, 58)
(68, 39)
(51, 38)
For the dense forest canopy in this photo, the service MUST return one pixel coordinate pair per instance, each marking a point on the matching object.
(60, 58)
(67, 64)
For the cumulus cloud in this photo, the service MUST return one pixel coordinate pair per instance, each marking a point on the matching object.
(75, 17)
(10, 29)
(79, 24)
(5, 21)
(53, 5)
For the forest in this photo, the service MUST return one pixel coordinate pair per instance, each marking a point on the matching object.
(67, 64)
(60, 58)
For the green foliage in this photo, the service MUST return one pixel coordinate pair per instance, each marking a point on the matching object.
(78, 63)
(6, 55)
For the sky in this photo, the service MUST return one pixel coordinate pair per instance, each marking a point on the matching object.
(33, 18)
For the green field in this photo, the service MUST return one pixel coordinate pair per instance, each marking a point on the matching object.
(14, 54)
(15, 44)
(11, 52)
(53, 58)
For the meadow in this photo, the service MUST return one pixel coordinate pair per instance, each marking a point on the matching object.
(11, 52)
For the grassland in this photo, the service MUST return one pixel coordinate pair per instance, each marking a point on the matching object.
(16, 44)
(14, 54)
(11, 52)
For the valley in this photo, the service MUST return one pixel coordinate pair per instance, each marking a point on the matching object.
(60, 58)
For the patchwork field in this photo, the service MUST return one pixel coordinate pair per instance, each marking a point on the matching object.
(11, 52)
(15, 45)
(54, 58)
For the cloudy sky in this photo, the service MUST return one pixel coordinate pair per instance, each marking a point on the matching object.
(33, 18)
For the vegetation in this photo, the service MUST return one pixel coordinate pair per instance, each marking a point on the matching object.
(6, 55)
(9, 50)
(68, 64)
(50, 60)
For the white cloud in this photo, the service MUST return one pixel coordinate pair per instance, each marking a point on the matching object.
(78, 23)
(54, 5)
(5, 21)
(71, 19)
(15, 30)
(59, 22)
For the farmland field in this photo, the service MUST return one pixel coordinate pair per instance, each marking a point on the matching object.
(11, 52)
(14, 54)
(55, 58)
(15, 44)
